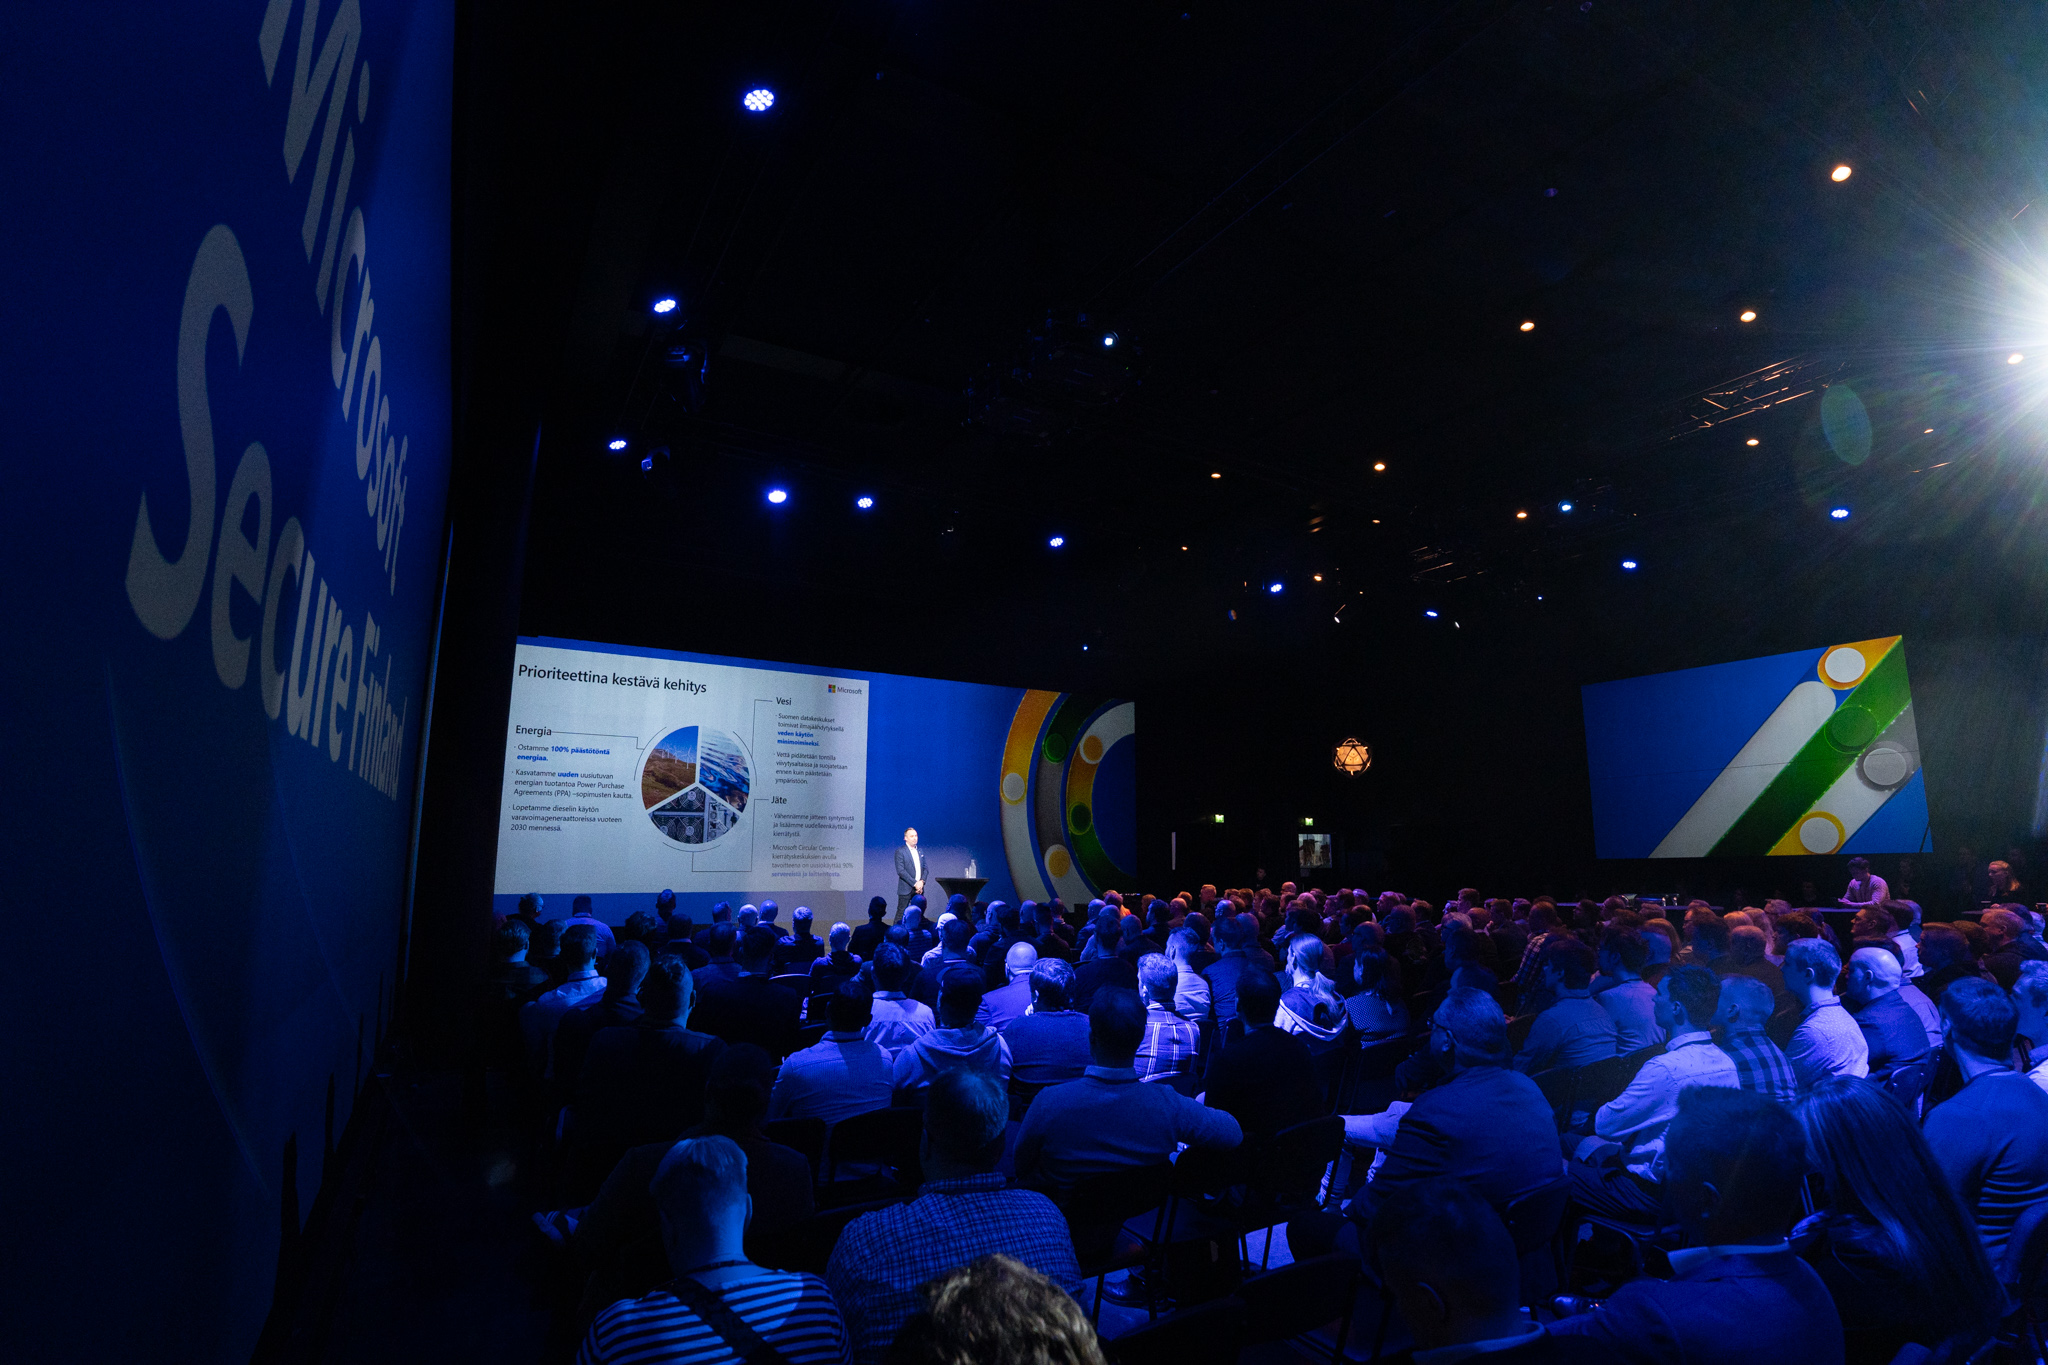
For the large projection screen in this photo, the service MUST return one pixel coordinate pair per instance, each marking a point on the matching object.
(1812, 752)
(629, 771)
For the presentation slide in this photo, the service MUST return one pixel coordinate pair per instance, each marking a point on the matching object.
(629, 771)
(1809, 752)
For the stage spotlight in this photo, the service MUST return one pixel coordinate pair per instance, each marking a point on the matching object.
(1109, 338)
(664, 305)
(1629, 564)
(2014, 359)
(864, 503)
(1430, 612)
(1215, 475)
(646, 464)
(616, 443)
(1528, 326)
(1274, 587)
(1840, 174)
(1749, 315)
(1928, 432)
(1057, 541)
(778, 496)
(1564, 507)
(1751, 441)
(1839, 513)
(1521, 516)
(758, 101)
(1319, 578)
(1379, 467)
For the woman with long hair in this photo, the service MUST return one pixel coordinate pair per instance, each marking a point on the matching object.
(1376, 1010)
(1310, 1006)
(1894, 1244)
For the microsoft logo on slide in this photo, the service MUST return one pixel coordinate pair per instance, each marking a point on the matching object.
(849, 691)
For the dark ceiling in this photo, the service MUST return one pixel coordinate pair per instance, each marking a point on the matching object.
(1315, 230)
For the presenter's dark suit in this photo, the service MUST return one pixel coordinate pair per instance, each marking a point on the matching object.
(907, 876)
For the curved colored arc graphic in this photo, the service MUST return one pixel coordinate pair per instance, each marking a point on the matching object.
(1013, 791)
(1049, 819)
(1105, 730)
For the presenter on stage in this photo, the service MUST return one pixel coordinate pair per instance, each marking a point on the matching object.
(909, 871)
(1866, 888)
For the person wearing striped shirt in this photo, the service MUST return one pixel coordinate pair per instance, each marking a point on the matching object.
(1171, 1042)
(720, 1306)
(1739, 1020)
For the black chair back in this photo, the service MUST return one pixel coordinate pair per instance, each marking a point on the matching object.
(803, 1135)
(885, 1137)
(800, 982)
(1210, 1331)
(1097, 1208)
(1297, 1299)
(1288, 1171)
(1560, 1087)
(1533, 1221)
(1518, 1031)
(1371, 1086)
(1602, 1081)
(808, 1245)
(1908, 1083)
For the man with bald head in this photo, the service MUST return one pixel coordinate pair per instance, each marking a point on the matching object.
(1011, 1001)
(1870, 988)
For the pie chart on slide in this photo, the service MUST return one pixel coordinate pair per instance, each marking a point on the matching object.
(694, 783)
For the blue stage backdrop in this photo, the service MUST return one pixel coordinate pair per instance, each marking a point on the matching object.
(632, 770)
(227, 378)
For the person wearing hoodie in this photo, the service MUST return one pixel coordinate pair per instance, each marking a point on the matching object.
(1311, 1007)
(957, 1041)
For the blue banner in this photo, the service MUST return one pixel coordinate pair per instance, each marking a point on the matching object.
(227, 377)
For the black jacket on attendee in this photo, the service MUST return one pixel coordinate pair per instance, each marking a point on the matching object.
(1266, 1080)
(1486, 1125)
(1092, 975)
(578, 1027)
(866, 938)
(1895, 1034)
(748, 1009)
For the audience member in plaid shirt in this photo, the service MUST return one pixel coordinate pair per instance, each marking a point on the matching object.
(962, 1213)
(1171, 1043)
(1760, 1065)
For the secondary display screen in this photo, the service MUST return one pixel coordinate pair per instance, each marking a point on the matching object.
(629, 771)
(1811, 752)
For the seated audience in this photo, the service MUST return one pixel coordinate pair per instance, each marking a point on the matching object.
(1172, 1044)
(864, 940)
(1624, 1183)
(1576, 1030)
(576, 967)
(1488, 1125)
(1100, 964)
(1891, 1030)
(513, 979)
(700, 1191)
(1893, 1243)
(1376, 1010)
(1451, 1267)
(1204, 954)
(2011, 945)
(1748, 955)
(1732, 1169)
(962, 1212)
(958, 1041)
(750, 1008)
(1706, 939)
(898, 1021)
(838, 962)
(1310, 1005)
(1991, 1137)
(643, 1082)
(1235, 936)
(996, 1311)
(1266, 1079)
(1827, 1041)
(843, 1073)
(2030, 999)
(580, 914)
(1739, 1021)
(1010, 1002)
(1191, 994)
(1107, 1119)
(620, 1004)
(1050, 1043)
(719, 941)
(1905, 918)
(796, 950)
(1630, 1001)
(1946, 955)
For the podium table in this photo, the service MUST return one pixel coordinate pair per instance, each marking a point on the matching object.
(969, 887)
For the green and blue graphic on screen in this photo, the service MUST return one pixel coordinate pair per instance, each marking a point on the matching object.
(1801, 753)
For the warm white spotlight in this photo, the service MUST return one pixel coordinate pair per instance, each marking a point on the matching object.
(1215, 476)
(1379, 467)
(1841, 173)
(1528, 326)
(1521, 516)
(1751, 441)
(1749, 315)
(2014, 359)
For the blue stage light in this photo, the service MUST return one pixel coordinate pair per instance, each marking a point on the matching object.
(617, 443)
(778, 496)
(758, 101)
(1564, 507)
(1109, 338)
(1839, 513)
(864, 503)
(1628, 564)
(1430, 613)
(1057, 541)
(646, 464)
(664, 305)
(1274, 587)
